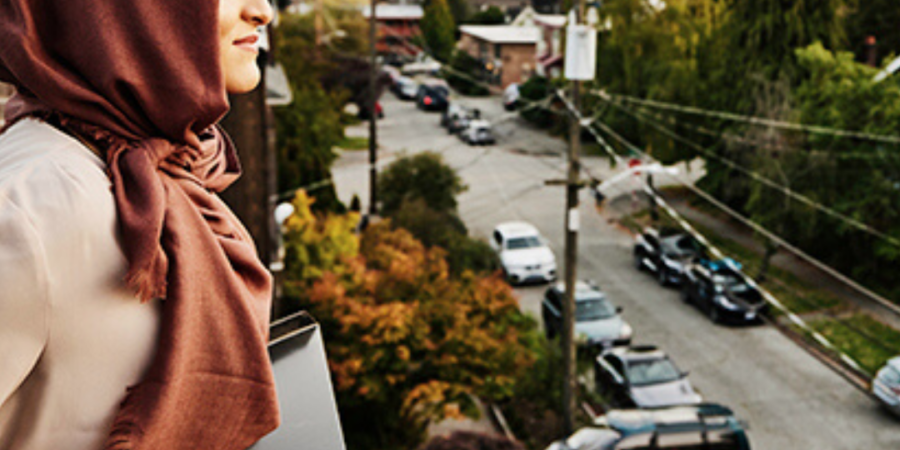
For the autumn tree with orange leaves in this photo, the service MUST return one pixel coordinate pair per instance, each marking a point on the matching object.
(407, 342)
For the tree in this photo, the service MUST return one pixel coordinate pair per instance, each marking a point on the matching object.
(407, 343)
(490, 16)
(439, 29)
(877, 18)
(468, 74)
(422, 176)
(307, 129)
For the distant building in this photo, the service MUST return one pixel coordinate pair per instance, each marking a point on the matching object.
(398, 27)
(508, 52)
(549, 48)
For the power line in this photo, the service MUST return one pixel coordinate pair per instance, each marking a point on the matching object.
(762, 179)
(618, 98)
(887, 304)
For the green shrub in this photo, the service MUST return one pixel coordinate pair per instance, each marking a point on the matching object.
(467, 74)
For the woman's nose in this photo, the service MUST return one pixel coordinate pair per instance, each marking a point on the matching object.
(257, 12)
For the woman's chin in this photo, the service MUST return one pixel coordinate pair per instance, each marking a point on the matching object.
(243, 82)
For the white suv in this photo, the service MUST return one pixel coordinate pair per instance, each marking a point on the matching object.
(523, 252)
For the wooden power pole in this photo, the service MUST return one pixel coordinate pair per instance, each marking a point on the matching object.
(573, 185)
(373, 115)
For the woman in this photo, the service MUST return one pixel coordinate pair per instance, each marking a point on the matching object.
(133, 308)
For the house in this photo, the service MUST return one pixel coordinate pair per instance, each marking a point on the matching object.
(549, 47)
(508, 52)
(398, 28)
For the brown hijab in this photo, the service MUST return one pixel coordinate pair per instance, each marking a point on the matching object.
(141, 79)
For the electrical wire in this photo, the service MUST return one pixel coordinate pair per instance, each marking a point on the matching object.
(818, 129)
(762, 179)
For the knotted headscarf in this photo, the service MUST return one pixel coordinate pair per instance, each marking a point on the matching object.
(141, 80)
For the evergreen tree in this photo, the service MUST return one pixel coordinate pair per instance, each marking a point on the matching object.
(439, 29)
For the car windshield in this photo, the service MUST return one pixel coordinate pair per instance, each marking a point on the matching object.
(890, 376)
(731, 282)
(523, 243)
(593, 309)
(680, 246)
(652, 371)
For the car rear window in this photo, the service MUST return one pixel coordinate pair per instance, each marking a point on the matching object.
(652, 371)
(593, 309)
(523, 242)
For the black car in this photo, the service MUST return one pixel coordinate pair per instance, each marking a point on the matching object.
(432, 97)
(643, 377)
(707, 426)
(598, 323)
(665, 253)
(722, 291)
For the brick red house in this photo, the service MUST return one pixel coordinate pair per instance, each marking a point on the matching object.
(508, 52)
(398, 26)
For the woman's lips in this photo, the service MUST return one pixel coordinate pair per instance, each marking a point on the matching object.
(248, 43)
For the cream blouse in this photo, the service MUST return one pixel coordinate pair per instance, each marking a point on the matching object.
(72, 338)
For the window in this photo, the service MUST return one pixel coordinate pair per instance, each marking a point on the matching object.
(651, 240)
(721, 439)
(615, 363)
(652, 371)
(593, 309)
(523, 243)
(680, 440)
(498, 50)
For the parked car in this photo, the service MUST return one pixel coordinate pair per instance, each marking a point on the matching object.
(524, 254)
(432, 97)
(453, 111)
(665, 252)
(462, 121)
(643, 377)
(886, 385)
(511, 97)
(405, 88)
(598, 323)
(707, 426)
(478, 132)
(722, 291)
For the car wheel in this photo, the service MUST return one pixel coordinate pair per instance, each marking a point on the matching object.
(638, 262)
(714, 315)
(685, 294)
(662, 276)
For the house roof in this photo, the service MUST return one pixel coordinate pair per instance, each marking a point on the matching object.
(386, 11)
(551, 20)
(502, 34)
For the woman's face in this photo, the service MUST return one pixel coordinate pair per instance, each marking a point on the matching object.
(238, 41)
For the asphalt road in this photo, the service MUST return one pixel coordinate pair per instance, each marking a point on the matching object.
(790, 400)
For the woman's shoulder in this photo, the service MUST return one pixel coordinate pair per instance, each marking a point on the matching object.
(47, 173)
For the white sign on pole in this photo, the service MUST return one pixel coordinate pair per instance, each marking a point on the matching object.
(581, 52)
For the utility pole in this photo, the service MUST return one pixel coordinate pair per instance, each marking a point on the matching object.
(573, 184)
(373, 116)
(318, 22)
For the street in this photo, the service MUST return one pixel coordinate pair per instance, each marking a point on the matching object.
(789, 399)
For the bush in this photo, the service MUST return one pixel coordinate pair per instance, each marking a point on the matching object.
(467, 75)
(491, 16)
(536, 89)
(423, 176)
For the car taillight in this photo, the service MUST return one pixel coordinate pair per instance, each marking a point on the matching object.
(427, 100)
